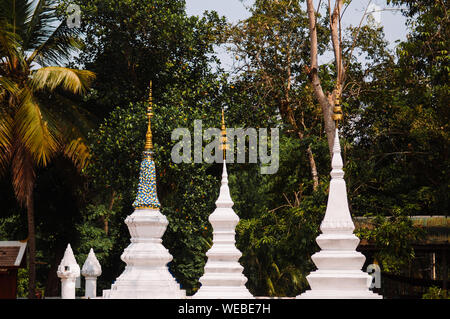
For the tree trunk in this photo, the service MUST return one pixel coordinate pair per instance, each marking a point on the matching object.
(286, 109)
(104, 219)
(288, 115)
(335, 27)
(312, 164)
(31, 247)
(23, 179)
(326, 101)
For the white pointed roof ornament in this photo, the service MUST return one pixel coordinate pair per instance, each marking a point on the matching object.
(68, 266)
(224, 200)
(91, 267)
(337, 215)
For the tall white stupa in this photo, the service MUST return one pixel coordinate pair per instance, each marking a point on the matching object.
(223, 277)
(146, 275)
(339, 274)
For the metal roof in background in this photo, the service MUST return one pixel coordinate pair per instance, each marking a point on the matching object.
(12, 253)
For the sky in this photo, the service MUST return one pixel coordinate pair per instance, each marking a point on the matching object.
(235, 10)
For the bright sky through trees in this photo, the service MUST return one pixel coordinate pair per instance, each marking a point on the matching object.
(235, 10)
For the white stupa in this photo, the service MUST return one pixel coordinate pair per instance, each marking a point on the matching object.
(91, 270)
(223, 277)
(146, 275)
(339, 274)
(68, 271)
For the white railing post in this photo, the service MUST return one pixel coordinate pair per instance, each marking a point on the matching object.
(68, 271)
(91, 270)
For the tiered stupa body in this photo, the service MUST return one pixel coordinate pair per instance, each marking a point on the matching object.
(223, 277)
(339, 274)
(146, 274)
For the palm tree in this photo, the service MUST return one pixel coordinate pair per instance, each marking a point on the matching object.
(37, 119)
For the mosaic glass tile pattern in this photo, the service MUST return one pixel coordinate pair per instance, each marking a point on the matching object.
(147, 196)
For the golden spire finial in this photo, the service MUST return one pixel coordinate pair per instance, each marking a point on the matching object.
(148, 136)
(224, 135)
(337, 109)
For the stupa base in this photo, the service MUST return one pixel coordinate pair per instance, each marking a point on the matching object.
(146, 275)
(339, 294)
(144, 290)
(339, 284)
(221, 292)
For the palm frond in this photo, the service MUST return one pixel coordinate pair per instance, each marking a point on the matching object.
(274, 266)
(6, 138)
(68, 113)
(8, 86)
(40, 25)
(9, 47)
(58, 47)
(33, 130)
(67, 123)
(16, 13)
(78, 152)
(73, 123)
(72, 80)
(271, 288)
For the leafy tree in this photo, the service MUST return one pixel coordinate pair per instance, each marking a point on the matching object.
(278, 238)
(148, 40)
(36, 117)
(127, 43)
(271, 49)
(397, 164)
(326, 99)
(398, 123)
(393, 238)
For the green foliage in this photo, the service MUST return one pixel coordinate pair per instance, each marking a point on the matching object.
(92, 234)
(277, 246)
(436, 293)
(22, 283)
(280, 218)
(148, 40)
(393, 238)
(10, 227)
(272, 50)
(128, 43)
(399, 119)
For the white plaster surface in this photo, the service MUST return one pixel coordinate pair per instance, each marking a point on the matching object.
(223, 277)
(146, 275)
(91, 270)
(68, 271)
(339, 274)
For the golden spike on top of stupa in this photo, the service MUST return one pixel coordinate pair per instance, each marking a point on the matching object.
(149, 136)
(224, 146)
(337, 109)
